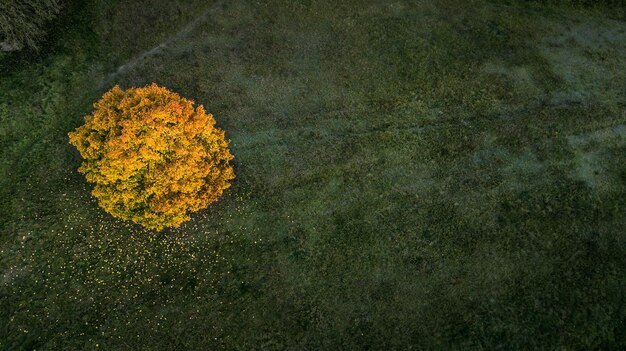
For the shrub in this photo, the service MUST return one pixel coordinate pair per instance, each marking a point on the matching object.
(22, 22)
(152, 156)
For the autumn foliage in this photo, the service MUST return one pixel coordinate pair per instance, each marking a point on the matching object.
(152, 156)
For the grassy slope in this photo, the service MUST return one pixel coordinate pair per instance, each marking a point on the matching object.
(440, 176)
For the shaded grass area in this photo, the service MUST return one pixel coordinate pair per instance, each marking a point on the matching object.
(435, 175)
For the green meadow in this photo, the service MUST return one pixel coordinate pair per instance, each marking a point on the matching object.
(411, 174)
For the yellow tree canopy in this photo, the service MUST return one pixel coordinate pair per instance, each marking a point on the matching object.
(152, 156)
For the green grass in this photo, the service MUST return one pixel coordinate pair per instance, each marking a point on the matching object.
(434, 175)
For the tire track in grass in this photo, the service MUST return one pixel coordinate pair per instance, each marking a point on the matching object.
(142, 57)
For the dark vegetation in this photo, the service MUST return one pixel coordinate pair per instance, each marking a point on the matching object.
(426, 174)
(24, 23)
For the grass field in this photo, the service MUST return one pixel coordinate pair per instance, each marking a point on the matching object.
(422, 175)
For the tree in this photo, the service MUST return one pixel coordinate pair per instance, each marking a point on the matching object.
(22, 22)
(152, 156)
